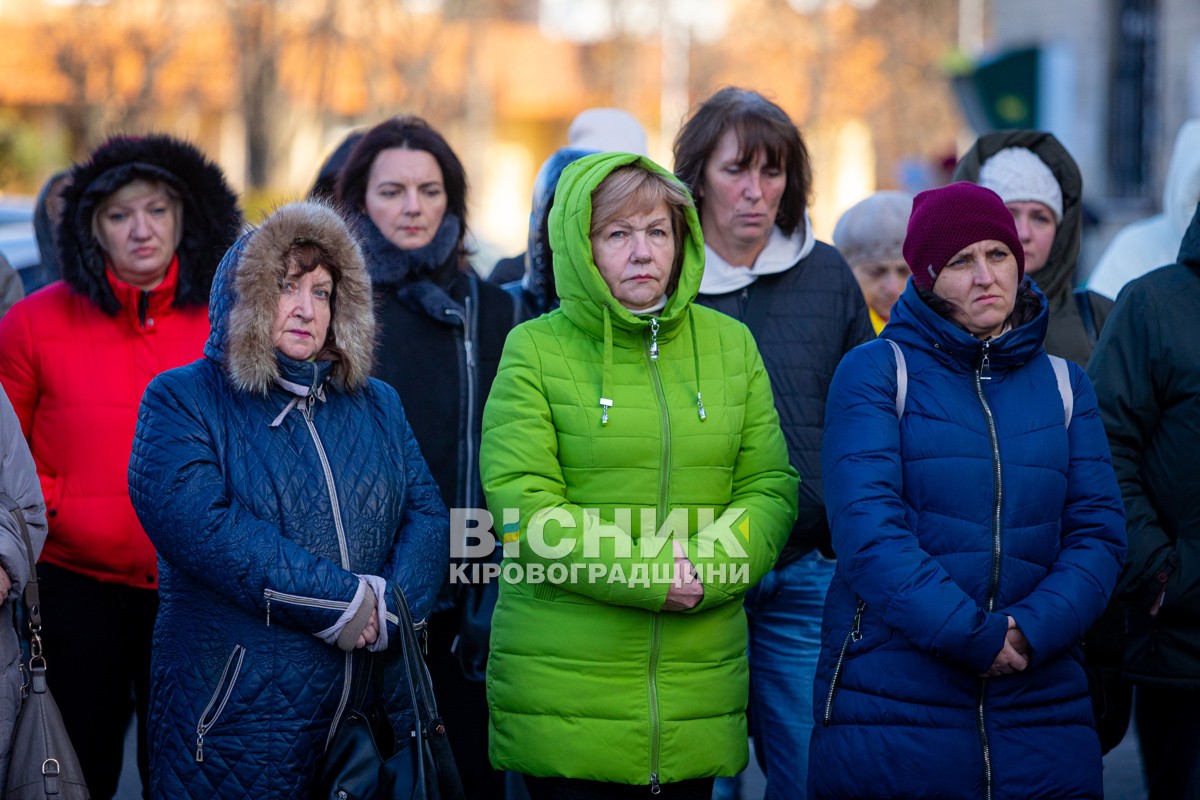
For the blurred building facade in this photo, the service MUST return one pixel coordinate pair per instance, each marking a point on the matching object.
(268, 87)
(1118, 78)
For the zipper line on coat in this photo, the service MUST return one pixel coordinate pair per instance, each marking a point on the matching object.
(341, 536)
(300, 600)
(853, 635)
(663, 487)
(468, 349)
(982, 373)
(218, 699)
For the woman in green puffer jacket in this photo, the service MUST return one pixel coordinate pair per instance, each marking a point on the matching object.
(633, 461)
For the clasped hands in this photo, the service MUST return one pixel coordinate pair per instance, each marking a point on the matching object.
(686, 589)
(1014, 656)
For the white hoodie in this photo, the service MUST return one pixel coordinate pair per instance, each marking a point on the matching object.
(1154, 242)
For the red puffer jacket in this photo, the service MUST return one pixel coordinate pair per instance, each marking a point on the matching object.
(75, 377)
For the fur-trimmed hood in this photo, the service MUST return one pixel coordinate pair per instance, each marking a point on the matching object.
(211, 218)
(245, 296)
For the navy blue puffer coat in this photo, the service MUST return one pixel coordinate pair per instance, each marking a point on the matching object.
(263, 529)
(979, 503)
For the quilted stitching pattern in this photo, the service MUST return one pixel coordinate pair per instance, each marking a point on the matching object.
(237, 508)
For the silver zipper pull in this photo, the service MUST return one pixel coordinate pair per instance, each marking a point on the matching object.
(653, 339)
(985, 364)
(605, 405)
(199, 749)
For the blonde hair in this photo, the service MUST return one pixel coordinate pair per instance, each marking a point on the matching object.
(137, 186)
(635, 189)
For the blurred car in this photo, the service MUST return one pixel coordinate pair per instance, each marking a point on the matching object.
(17, 242)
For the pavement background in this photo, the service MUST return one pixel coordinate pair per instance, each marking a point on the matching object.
(1122, 773)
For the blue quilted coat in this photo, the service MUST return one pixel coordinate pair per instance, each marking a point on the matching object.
(977, 504)
(262, 529)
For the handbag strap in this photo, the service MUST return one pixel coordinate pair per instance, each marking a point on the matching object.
(421, 685)
(32, 600)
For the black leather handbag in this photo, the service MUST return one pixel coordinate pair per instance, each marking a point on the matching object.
(366, 758)
(43, 764)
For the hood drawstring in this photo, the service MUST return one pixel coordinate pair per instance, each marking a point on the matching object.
(696, 365)
(303, 398)
(606, 387)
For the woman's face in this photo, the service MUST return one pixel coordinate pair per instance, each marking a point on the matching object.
(882, 283)
(138, 227)
(1036, 227)
(740, 203)
(302, 316)
(635, 253)
(980, 283)
(406, 198)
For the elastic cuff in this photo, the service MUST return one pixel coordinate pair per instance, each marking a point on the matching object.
(357, 623)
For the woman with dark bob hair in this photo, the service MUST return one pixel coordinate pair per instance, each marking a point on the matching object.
(979, 532)
(441, 333)
(144, 222)
(748, 168)
(288, 498)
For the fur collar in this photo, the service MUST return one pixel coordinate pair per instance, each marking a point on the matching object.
(211, 219)
(245, 295)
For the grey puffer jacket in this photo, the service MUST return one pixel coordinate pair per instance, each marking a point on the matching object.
(18, 480)
(265, 506)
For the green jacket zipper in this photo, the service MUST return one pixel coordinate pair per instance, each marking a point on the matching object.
(663, 487)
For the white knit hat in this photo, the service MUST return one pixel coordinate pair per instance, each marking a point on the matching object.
(608, 130)
(872, 230)
(1018, 175)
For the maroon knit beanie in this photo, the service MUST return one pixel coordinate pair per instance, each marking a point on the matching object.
(945, 220)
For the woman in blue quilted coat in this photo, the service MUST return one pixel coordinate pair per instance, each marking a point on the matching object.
(979, 532)
(285, 493)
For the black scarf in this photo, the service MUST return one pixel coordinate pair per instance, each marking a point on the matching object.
(390, 265)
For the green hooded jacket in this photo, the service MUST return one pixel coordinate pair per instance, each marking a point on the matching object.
(588, 678)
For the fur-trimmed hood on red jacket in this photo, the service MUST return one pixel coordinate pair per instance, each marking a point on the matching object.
(211, 218)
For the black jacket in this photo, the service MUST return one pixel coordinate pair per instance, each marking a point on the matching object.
(440, 339)
(1146, 369)
(804, 320)
(1067, 335)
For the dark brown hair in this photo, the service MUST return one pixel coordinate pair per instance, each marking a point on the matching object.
(405, 133)
(761, 126)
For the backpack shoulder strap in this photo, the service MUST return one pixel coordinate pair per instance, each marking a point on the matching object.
(901, 378)
(1062, 374)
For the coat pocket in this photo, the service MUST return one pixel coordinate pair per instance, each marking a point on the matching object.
(852, 636)
(219, 698)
